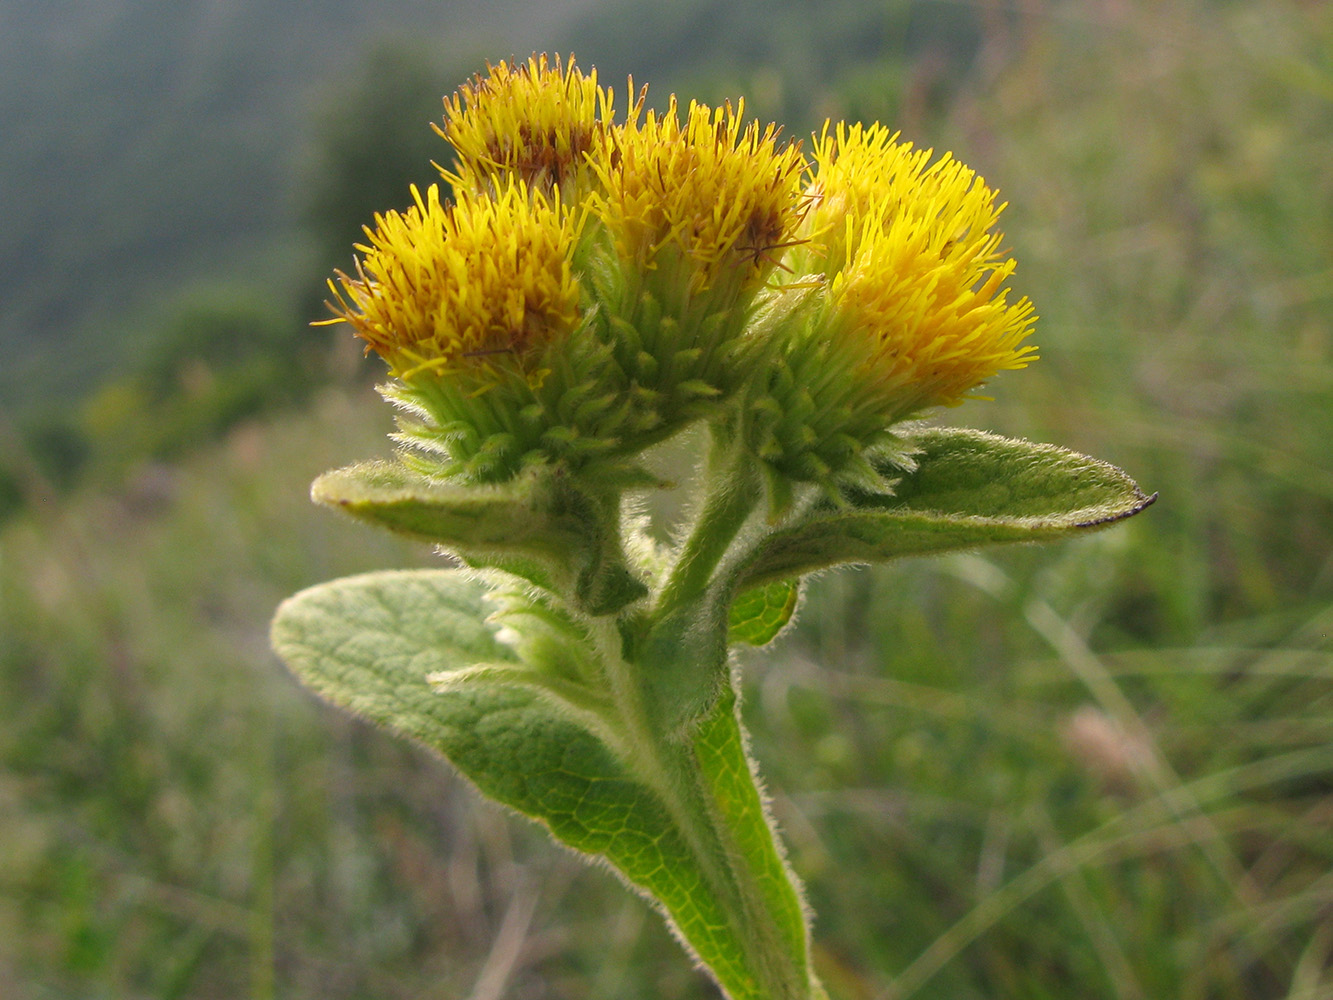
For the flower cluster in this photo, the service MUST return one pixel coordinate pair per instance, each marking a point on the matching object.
(594, 284)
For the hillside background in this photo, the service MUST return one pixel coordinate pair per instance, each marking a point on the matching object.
(151, 144)
(1102, 769)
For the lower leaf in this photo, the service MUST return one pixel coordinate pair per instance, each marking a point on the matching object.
(383, 646)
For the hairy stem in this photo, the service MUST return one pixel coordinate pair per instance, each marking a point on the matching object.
(731, 489)
(704, 778)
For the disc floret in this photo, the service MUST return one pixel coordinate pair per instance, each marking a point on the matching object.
(536, 122)
(464, 289)
(713, 196)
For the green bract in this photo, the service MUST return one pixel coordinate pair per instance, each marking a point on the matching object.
(574, 667)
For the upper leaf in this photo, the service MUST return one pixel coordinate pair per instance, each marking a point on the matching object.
(540, 526)
(968, 488)
(971, 473)
(390, 495)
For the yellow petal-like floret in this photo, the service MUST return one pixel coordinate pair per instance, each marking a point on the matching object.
(916, 269)
(446, 288)
(536, 122)
(726, 197)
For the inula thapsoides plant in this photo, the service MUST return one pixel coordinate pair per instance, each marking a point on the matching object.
(586, 285)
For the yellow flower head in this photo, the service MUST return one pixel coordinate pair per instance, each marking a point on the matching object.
(535, 122)
(915, 266)
(725, 197)
(450, 288)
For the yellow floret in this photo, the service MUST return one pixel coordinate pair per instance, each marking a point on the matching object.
(444, 288)
(725, 197)
(930, 334)
(915, 267)
(535, 122)
(863, 173)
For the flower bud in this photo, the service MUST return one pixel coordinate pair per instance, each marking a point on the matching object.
(474, 306)
(913, 313)
(693, 218)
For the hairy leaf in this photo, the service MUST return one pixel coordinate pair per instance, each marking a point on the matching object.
(388, 494)
(759, 614)
(968, 489)
(539, 526)
(385, 645)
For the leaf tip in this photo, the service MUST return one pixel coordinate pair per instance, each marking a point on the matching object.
(1142, 501)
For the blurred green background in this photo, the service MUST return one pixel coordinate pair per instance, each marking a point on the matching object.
(1102, 769)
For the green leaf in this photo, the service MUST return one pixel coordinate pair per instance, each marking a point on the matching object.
(540, 526)
(759, 614)
(367, 643)
(412, 651)
(968, 488)
(978, 474)
(388, 494)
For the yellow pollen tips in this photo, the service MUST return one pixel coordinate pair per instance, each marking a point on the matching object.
(916, 268)
(726, 197)
(535, 122)
(451, 288)
(929, 334)
(863, 173)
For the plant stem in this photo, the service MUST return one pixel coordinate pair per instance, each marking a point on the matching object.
(704, 778)
(731, 489)
(770, 915)
(677, 701)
